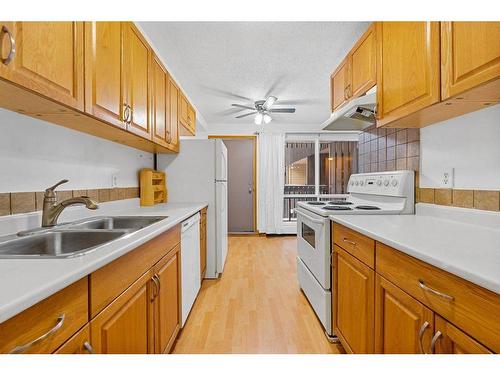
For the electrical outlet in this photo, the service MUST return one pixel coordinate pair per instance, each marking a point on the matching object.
(114, 180)
(447, 178)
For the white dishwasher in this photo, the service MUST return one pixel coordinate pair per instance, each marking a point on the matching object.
(190, 263)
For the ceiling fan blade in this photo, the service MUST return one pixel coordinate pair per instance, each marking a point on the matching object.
(282, 110)
(269, 102)
(297, 102)
(243, 106)
(246, 114)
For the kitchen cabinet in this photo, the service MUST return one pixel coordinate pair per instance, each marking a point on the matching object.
(173, 94)
(339, 84)
(78, 344)
(136, 74)
(124, 326)
(167, 300)
(104, 80)
(354, 286)
(187, 116)
(402, 324)
(408, 68)
(470, 57)
(203, 243)
(191, 119)
(448, 339)
(160, 116)
(46, 58)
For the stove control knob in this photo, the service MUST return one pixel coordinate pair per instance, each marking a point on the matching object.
(386, 182)
(361, 183)
(357, 183)
(379, 182)
(394, 182)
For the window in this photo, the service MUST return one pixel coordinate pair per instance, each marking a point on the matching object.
(317, 167)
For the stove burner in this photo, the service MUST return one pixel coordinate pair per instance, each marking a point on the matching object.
(340, 203)
(316, 203)
(367, 208)
(337, 208)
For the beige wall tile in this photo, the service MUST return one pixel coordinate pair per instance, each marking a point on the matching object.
(401, 151)
(391, 140)
(413, 148)
(401, 164)
(414, 163)
(390, 130)
(122, 193)
(443, 197)
(93, 194)
(63, 195)
(113, 194)
(104, 195)
(39, 200)
(381, 132)
(381, 143)
(463, 198)
(4, 204)
(390, 165)
(391, 153)
(401, 136)
(22, 202)
(412, 135)
(426, 195)
(79, 193)
(487, 200)
(382, 155)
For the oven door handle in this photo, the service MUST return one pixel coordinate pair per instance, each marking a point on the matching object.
(316, 221)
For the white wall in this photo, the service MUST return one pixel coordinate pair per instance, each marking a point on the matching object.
(470, 144)
(35, 154)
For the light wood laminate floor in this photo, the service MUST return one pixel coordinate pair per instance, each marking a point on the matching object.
(256, 306)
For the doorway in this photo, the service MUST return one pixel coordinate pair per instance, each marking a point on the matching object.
(241, 181)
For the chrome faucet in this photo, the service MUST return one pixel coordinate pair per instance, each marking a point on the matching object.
(52, 209)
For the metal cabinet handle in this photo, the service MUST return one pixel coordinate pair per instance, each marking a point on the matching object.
(424, 287)
(349, 242)
(126, 113)
(157, 288)
(169, 137)
(57, 327)
(88, 347)
(421, 335)
(435, 338)
(158, 282)
(12, 52)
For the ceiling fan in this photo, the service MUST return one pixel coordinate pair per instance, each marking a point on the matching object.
(262, 110)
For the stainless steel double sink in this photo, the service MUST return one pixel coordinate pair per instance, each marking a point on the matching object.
(72, 239)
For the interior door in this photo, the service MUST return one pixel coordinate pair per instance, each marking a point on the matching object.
(221, 224)
(240, 178)
(220, 160)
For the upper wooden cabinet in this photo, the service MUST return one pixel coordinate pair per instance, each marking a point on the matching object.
(408, 68)
(173, 94)
(470, 56)
(104, 85)
(187, 116)
(357, 73)
(45, 57)
(160, 116)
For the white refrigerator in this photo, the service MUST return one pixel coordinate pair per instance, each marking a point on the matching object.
(198, 173)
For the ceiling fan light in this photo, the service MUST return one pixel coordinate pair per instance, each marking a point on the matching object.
(270, 101)
(267, 119)
(258, 118)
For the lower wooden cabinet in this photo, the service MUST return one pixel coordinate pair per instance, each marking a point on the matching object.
(78, 344)
(167, 300)
(124, 327)
(448, 339)
(402, 324)
(354, 294)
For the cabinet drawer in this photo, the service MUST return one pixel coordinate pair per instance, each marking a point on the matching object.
(45, 326)
(471, 308)
(355, 244)
(110, 281)
(78, 344)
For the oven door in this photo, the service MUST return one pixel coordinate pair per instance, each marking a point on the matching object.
(313, 244)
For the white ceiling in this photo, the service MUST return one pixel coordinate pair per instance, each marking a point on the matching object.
(219, 63)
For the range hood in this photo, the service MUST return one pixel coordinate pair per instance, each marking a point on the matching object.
(357, 114)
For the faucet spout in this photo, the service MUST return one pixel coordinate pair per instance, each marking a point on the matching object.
(89, 203)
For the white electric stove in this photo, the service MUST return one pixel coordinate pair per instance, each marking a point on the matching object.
(383, 193)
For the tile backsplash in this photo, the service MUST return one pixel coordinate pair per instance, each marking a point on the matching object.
(389, 149)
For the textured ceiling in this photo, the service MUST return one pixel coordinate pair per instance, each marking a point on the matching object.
(219, 63)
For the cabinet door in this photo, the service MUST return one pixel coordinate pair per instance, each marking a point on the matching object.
(125, 325)
(354, 308)
(448, 339)
(183, 110)
(174, 93)
(470, 56)
(104, 86)
(46, 57)
(160, 117)
(136, 61)
(78, 344)
(191, 117)
(339, 82)
(408, 77)
(167, 301)
(402, 324)
(362, 61)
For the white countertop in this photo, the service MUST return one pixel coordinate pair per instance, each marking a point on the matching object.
(25, 282)
(463, 242)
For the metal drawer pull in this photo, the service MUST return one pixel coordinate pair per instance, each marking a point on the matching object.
(158, 282)
(436, 337)
(126, 113)
(12, 52)
(422, 285)
(57, 327)
(88, 347)
(421, 335)
(157, 287)
(349, 242)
